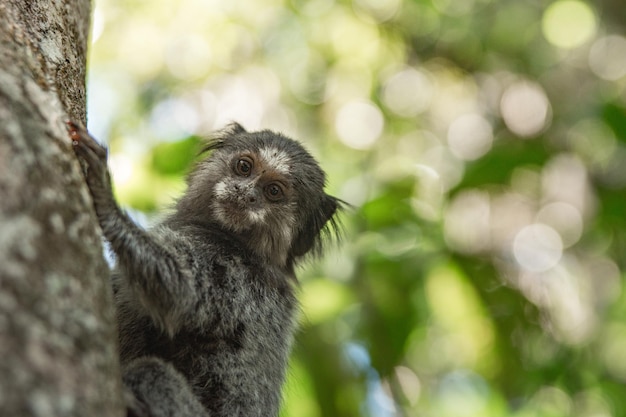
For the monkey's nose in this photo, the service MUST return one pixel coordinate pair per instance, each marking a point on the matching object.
(252, 196)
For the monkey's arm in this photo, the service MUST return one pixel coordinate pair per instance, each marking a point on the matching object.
(159, 390)
(153, 269)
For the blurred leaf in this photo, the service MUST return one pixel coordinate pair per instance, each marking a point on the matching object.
(507, 154)
(390, 208)
(323, 299)
(614, 115)
(175, 158)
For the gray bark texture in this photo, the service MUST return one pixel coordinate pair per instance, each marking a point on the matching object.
(58, 354)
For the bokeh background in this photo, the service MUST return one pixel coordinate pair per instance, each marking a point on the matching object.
(482, 144)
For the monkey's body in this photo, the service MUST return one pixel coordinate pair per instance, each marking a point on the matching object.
(233, 352)
(205, 301)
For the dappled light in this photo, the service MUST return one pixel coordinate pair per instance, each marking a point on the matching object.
(568, 23)
(407, 92)
(470, 136)
(359, 124)
(607, 57)
(482, 145)
(537, 248)
(525, 108)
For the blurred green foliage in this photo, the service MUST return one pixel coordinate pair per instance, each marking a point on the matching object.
(483, 145)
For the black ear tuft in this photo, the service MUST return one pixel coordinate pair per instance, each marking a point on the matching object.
(221, 137)
(233, 128)
(323, 221)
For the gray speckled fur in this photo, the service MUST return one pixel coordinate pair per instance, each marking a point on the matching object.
(206, 300)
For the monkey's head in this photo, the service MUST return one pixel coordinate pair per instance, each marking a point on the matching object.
(265, 188)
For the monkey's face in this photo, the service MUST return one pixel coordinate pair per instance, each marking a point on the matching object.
(256, 192)
(264, 187)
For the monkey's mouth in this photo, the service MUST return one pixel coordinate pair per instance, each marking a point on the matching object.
(236, 205)
(239, 213)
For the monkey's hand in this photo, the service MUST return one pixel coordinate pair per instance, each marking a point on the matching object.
(95, 171)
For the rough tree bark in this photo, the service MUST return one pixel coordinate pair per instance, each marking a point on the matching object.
(57, 339)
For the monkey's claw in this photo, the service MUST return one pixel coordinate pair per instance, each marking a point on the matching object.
(84, 145)
(72, 129)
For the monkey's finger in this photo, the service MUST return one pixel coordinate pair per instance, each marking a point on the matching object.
(74, 131)
(86, 153)
(79, 135)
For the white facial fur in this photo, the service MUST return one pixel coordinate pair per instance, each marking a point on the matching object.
(220, 190)
(257, 216)
(277, 159)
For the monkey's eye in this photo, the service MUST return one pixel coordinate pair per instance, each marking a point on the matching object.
(274, 192)
(244, 166)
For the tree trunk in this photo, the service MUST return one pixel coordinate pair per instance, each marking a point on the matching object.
(58, 353)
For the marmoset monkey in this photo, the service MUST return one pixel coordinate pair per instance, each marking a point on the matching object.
(206, 303)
